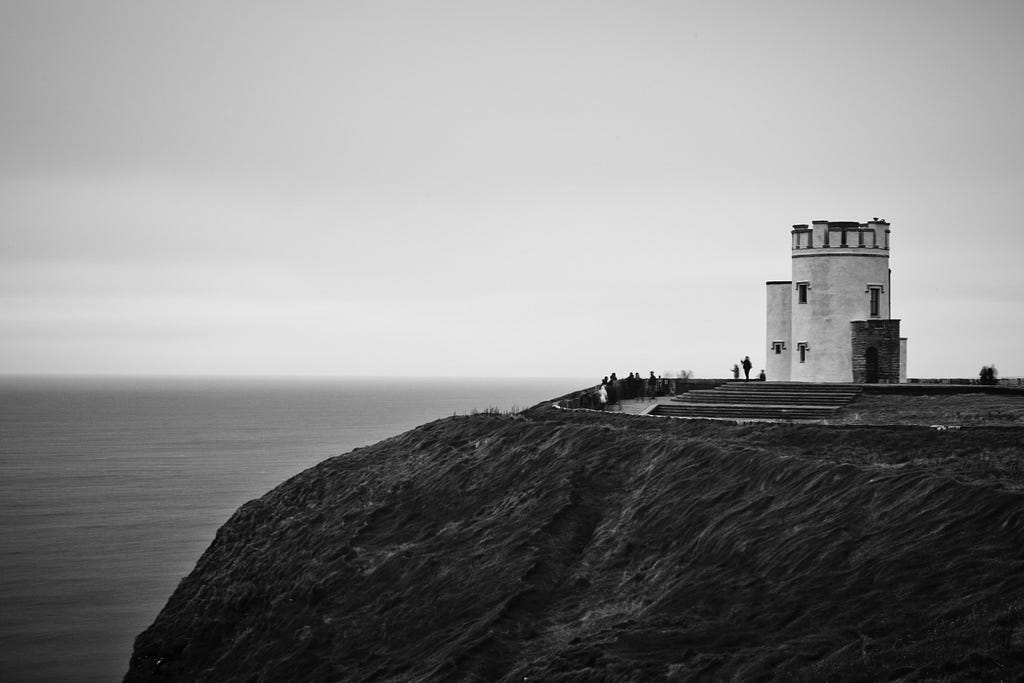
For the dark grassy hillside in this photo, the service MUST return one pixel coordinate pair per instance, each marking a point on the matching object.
(581, 546)
(936, 405)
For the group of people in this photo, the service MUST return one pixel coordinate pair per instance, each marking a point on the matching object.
(612, 389)
(746, 365)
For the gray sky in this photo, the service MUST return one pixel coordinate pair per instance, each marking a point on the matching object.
(494, 188)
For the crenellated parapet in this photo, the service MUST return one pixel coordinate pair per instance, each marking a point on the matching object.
(839, 236)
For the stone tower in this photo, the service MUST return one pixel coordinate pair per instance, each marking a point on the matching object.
(831, 322)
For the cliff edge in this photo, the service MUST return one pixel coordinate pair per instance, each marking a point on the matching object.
(563, 546)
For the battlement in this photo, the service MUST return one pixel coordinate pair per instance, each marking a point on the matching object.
(842, 236)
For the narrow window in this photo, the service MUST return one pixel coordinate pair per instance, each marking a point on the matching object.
(802, 348)
(778, 346)
(801, 288)
(875, 293)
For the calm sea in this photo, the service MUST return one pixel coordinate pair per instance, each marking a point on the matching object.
(110, 489)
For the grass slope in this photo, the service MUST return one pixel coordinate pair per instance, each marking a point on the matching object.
(1004, 408)
(576, 546)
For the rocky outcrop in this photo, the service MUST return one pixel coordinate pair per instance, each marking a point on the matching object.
(582, 546)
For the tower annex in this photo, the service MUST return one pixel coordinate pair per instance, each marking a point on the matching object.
(832, 321)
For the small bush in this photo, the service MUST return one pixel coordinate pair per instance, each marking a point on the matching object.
(495, 410)
(988, 374)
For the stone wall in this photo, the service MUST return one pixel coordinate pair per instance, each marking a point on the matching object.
(883, 335)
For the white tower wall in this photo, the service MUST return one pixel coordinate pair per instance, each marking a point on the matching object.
(839, 269)
(780, 303)
(838, 291)
(903, 360)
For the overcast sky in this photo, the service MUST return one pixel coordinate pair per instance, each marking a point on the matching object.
(494, 188)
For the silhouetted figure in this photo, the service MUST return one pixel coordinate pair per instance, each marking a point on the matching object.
(762, 376)
(735, 371)
(746, 368)
(613, 392)
(652, 385)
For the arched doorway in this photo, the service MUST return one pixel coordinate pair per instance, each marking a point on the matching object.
(871, 365)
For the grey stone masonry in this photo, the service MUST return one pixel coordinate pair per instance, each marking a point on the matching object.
(883, 364)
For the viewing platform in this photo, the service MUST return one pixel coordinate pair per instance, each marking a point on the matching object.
(737, 400)
(760, 401)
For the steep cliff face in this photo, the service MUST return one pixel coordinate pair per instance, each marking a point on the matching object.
(557, 546)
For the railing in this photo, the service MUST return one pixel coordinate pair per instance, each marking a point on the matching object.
(1000, 381)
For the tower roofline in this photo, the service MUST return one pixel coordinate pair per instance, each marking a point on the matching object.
(843, 224)
(840, 236)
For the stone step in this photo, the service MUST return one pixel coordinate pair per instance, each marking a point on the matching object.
(748, 417)
(770, 392)
(767, 398)
(760, 387)
(770, 387)
(747, 406)
(801, 386)
(744, 412)
(759, 399)
(819, 395)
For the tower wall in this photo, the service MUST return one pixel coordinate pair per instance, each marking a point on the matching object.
(844, 262)
(780, 348)
(903, 360)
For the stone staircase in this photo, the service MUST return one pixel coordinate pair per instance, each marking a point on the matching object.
(761, 401)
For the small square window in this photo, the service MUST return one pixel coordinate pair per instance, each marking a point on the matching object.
(778, 347)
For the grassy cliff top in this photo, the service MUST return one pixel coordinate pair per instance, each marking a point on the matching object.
(939, 408)
(580, 546)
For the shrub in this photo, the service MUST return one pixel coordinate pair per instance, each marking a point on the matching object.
(987, 374)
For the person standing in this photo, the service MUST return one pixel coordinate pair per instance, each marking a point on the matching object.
(602, 396)
(746, 368)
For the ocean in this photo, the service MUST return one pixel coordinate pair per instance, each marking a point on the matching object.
(111, 488)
